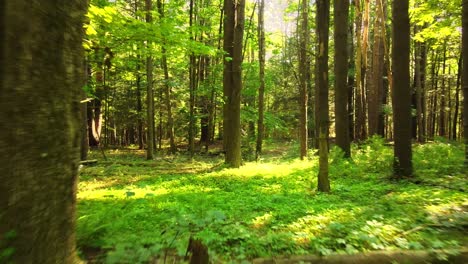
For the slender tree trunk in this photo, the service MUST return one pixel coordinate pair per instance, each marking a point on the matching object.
(167, 87)
(303, 89)
(41, 77)
(192, 77)
(261, 89)
(465, 75)
(139, 105)
(351, 72)
(232, 79)
(323, 20)
(149, 90)
(422, 75)
(457, 100)
(442, 111)
(341, 9)
(360, 117)
(401, 90)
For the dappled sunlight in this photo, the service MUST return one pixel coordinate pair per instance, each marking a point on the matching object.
(266, 208)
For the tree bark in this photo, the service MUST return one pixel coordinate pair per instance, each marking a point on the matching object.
(457, 100)
(341, 9)
(167, 87)
(323, 19)
(232, 79)
(303, 89)
(401, 90)
(442, 111)
(149, 90)
(261, 89)
(377, 73)
(41, 76)
(465, 75)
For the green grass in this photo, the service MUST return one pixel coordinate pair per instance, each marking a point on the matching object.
(135, 209)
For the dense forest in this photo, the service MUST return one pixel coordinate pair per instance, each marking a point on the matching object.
(234, 131)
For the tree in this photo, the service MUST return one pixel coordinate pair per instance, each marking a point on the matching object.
(341, 8)
(234, 11)
(465, 75)
(401, 90)
(41, 73)
(149, 90)
(323, 19)
(303, 76)
(376, 80)
(167, 87)
(261, 89)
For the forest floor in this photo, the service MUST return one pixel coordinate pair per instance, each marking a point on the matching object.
(131, 210)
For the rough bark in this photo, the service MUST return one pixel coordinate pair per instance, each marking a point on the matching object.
(401, 90)
(41, 76)
(234, 11)
(341, 9)
(323, 20)
(261, 89)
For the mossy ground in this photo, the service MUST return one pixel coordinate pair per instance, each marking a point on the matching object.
(134, 209)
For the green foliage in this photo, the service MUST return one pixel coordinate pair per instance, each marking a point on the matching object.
(139, 209)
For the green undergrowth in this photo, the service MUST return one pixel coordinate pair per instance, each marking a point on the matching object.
(135, 210)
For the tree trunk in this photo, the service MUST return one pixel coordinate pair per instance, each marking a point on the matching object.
(167, 88)
(149, 90)
(139, 105)
(41, 77)
(323, 19)
(419, 93)
(457, 100)
(442, 111)
(377, 73)
(341, 9)
(465, 75)
(360, 117)
(192, 88)
(261, 89)
(303, 89)
(351, 72)
(401, 90)
(232, 79)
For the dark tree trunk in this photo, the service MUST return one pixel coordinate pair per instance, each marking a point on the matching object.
(323, 20)
(351, 72)
(375, 84)
(261, 89)
(303, 89)
(401, 90)
(40, 122)
(149, 91)
(457, 100)
(232, 79)
(341, 73)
